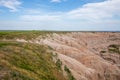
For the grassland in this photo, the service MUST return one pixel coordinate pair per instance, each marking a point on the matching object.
(27, 35)
(22, 34)
(25, 61)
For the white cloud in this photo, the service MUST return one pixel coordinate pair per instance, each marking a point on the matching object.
(32, 11)
(91, 16)
(39, 18)
(57, 1)
(91, 12)
(94, 11)
(11, 4)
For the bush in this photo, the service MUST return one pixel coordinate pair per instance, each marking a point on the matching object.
(66, 69)
(70, 76)
(102, 51)
(59, 64)
(114, 48)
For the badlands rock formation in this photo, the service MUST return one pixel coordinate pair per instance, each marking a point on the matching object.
(88, 55)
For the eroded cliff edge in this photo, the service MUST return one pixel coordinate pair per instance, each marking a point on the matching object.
(88, 55)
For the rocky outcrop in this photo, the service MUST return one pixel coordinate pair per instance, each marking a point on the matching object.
(86, 54)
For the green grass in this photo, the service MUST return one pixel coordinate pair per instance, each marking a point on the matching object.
(26, 34)
(25, 61)
(22, 34)
(114, 48)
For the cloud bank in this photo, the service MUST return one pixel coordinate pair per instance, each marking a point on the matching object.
(92, 16)
(106, 10)
(96, 11)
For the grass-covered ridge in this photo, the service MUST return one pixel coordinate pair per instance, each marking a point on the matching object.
(26, 61)
(25, 34)
(22, 34)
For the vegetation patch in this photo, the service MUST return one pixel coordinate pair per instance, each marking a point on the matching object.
(102, 51)
(59, 64)
(114, 48)
(27, 35)
(26, 61)
(69, 74)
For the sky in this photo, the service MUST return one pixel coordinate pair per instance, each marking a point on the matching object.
(70, 15)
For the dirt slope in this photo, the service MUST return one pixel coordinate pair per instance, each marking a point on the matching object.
(88, 55)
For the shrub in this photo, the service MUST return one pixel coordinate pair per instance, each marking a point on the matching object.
(59, 64)
(114, 48)
(102, 51)
(70, 76)
(66, 69)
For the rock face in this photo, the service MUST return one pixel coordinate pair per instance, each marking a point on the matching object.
(87, 54)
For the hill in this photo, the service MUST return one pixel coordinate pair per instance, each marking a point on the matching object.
(37, 55)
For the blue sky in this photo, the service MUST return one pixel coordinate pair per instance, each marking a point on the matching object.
(88, 15)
